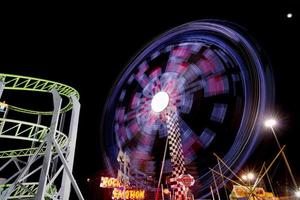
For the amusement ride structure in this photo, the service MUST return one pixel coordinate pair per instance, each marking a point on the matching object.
(38, 161)
(196, 92)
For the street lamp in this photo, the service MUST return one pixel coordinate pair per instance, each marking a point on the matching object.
(297, 193)
(250, 176)
(270, 123)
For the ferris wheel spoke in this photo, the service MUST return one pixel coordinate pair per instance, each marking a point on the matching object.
(192, 73)
(210, 63)
(178, 59)
(190, 137)
(136, 100)
(219, 112)
(141, 77)
(216, 86)
(195, 86)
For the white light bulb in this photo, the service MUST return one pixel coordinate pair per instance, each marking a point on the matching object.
(250, 176)
(159, 101)
(297, 193)
(244, 177)
(270, 122)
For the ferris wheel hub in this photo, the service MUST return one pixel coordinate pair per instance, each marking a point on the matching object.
(160, 101)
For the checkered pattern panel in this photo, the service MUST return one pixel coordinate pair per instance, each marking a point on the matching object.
(176, 153)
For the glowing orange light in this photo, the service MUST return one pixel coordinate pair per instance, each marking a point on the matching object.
(166, 191)
(107, 182)
(129, 194)
(120, 191)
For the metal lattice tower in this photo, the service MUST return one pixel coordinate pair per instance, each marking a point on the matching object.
(44, 169)
(180, 181)
(176, 152)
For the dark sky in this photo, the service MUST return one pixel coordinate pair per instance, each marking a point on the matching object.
(87, 46)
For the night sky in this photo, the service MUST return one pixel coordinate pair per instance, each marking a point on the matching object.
(87, 46)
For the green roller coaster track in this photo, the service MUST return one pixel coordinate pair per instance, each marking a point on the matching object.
(13, 129)
(28, 190)
(30, 132)
(16, 82)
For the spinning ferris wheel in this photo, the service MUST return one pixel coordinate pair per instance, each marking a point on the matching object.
(206, 82)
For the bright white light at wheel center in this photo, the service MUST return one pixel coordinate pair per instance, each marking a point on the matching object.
(159, 101)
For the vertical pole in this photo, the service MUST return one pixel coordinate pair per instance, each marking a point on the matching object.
(49, 139)
(223, 181)
(285, 159)
(216, 186)
(176, 151)
(66, 183)
(62, 122)
(55, 161)
(1, 87)
(68, 171)
(212, 193)
(6, 112)
(1, 91)
(33, 142)
(269, 181)
(39, 119)
(162, 192)
(162, 169)
(53, 168)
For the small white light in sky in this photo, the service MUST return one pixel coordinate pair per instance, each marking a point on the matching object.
(289, 15)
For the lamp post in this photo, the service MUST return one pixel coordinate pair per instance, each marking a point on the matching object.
(270, 123)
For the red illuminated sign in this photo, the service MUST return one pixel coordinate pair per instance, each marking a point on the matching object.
(186, 179)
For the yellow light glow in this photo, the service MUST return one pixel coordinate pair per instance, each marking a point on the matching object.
(250, 176)
(128, 194)
(107, 182)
